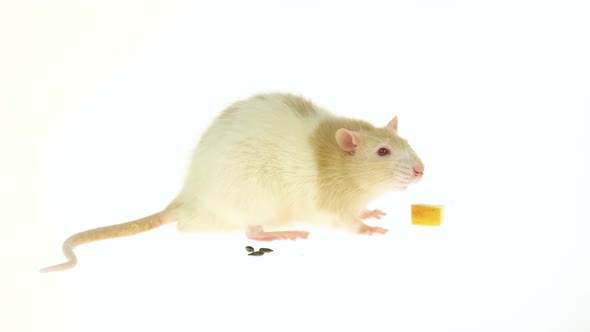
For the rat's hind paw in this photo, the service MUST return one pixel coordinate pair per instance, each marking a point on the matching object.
(258, 234)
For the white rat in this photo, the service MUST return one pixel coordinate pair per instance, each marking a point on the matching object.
(272, 160)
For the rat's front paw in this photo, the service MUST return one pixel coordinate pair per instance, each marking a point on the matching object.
(372, 214)
(370, 230)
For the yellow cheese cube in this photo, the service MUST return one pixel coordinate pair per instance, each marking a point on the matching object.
(426, 215)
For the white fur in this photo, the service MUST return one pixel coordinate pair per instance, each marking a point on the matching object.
(253, 167)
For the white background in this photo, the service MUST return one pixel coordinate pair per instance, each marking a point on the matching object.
(102, 103)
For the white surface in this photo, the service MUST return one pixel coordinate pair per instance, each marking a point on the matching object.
(102, 103)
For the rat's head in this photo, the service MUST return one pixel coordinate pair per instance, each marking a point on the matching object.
(380, 157)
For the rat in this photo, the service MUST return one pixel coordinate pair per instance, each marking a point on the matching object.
(273, 160)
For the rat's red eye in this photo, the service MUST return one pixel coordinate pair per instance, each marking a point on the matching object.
(383, 152)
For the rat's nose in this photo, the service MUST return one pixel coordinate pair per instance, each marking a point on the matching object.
(419, 170)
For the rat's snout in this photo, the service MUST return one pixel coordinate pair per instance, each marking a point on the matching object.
(419, 170)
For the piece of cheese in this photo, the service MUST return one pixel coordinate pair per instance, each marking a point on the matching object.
(426, 215)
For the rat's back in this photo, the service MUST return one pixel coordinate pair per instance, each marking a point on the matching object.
(253, 166)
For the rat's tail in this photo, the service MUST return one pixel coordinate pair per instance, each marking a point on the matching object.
(108, 232)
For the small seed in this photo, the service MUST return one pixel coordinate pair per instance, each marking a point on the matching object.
(249, 249)
(256, 253)
(265, 250)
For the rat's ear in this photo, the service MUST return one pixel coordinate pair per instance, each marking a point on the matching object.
(393, 124)
(347, 140)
